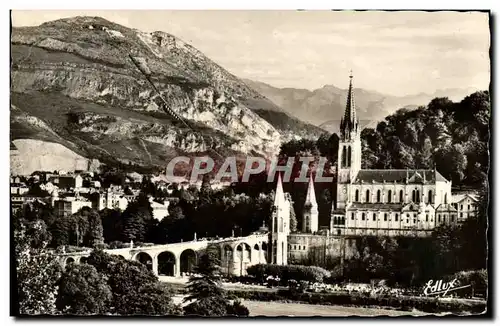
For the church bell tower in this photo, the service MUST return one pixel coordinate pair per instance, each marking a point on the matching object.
(349, 152)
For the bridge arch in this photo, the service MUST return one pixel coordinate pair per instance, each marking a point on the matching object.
(188, 261)
(144, 258)
(166, 263)
(69, 260)
(243, 251)
(83, 260)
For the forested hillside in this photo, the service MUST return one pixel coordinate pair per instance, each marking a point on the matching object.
(453, 137)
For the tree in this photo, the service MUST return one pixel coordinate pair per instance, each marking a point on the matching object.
(37, 273)
(425, 159)
(135, 219)
(293, 219)
(38, 234)
(94, 236)
(83, 291)
(112, 224)
(135, 289)
(209, 299)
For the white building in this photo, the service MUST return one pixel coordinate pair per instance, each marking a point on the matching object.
(112, 200)
(160, 210)
(465, 204)
(70, 205)
(385, 202)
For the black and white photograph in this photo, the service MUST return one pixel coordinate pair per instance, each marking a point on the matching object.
(250, 163)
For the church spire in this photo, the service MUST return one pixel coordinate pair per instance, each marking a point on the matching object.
(311, 195)
(349, 122)
(279, 197)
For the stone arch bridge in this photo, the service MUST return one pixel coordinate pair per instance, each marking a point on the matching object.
(178, 259)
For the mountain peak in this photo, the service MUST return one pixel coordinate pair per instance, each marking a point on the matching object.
(95, 99)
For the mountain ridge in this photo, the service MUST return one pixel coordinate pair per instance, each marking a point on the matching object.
(324, 106)
(80, 77)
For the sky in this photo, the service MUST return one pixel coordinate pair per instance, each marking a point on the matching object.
(396, 53)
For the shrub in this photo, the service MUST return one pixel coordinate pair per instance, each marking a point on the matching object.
(237, 309)
(214, 307)
(288, 272)
(478, 279)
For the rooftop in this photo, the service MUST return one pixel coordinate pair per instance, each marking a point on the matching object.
(398, 176)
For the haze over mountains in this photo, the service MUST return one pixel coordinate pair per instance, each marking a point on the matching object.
(74, 83)
(325, 106)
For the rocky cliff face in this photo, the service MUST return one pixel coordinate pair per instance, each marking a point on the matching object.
(81, 77)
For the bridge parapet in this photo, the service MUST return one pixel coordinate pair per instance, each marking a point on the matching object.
(150, 255)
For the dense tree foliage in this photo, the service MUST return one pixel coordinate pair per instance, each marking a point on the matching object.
(83, 291)
(135, 289)
(37, 274)
(453, 137)
(136, 218)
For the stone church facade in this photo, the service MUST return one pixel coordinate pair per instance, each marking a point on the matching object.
(392, 202)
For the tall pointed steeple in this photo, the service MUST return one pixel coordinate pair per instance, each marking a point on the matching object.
(279, 196)
(349, 122)
(311, 194)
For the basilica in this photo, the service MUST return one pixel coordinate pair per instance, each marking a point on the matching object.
(393, 202)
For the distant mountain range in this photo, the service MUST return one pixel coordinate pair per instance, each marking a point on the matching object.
(324, 106)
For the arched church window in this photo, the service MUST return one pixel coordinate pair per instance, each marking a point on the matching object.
(389, 196)
(396, 217)
(344, 157)
(418, 196)
(352, 216)
(429, 200)
(374, 216)
(401, 196)
(413, 194)
(356, 197)
(385, 217)
(363, 216)
(349, 156)
(378, 196)
(367, 199)
(446, 198)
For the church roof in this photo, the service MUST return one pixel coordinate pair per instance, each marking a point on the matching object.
(459, 197)
(375, 206)
(446, 208)
(398, 176)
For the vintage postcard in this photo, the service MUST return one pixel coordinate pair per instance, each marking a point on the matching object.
(250, 163)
